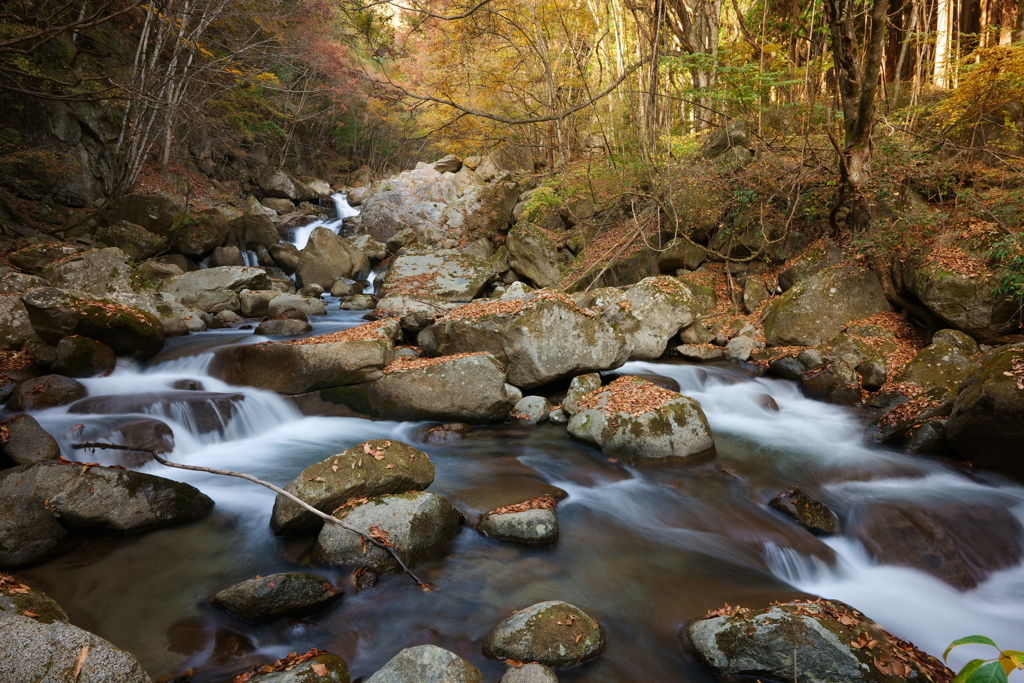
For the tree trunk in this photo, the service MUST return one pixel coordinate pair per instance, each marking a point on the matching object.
(858, 86)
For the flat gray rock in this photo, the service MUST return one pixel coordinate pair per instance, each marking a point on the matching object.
(426, 664)
(285, 594)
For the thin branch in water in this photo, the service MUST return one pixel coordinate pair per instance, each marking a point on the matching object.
(277, 489)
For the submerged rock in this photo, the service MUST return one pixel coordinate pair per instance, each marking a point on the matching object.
(205, 411)
(419, 525)
(426, 664)
(814, 516)
(552, 633)
(639, 422)
(373, 468)
(820, 641)
(285, 594)
(33, 651)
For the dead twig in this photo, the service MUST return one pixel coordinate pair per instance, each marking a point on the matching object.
(290, 496)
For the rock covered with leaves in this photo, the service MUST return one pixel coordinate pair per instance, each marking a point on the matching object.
(816, 641)
(552, 633)
(268, 597)
(373, 468)
(20, 599)
(532, 521)
(314, 665)
(640, 422)
(651, 313)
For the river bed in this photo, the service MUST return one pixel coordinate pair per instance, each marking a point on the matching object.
(643, 550)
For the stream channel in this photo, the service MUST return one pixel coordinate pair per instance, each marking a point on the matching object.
(643, 550)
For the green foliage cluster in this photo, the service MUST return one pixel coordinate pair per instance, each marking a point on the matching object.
(1008, 256)
(995, 670)
(542, 202)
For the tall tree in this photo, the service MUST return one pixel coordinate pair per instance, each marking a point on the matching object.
(858, 85)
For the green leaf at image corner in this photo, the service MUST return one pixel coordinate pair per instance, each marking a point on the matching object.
(970, 640)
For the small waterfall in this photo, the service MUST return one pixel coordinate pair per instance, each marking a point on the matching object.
(342, 210)
(250, 258)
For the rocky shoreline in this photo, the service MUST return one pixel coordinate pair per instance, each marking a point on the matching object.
(469, 322)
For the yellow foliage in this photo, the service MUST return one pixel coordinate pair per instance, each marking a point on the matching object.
(993, 77)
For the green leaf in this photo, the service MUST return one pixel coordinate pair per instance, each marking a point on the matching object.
(969, 668)
(989, 672)
(970, 640)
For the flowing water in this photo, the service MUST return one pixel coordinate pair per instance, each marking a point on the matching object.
(642, 550)
(342, 210)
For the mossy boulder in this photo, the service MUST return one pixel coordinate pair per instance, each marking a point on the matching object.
(134, 240)
(811, 261)
(681, 254)
(811, 514)
(307, 365)
(426, 664)
(987, 422)
(354, 473)
(58, 313)
(419, 526)
(965, 302)
(553, 633)
(537, 340)
(818, 641)
(938, 366)
(251, 232)
(534, 254)
(579, 387)
(17, 598)
(35, 258)
(83, 357)
(651, 313)
(235, 278)
(819, 307)
(154, 213)
(277, 595)
(640, 423)
(195, 235)
(15, 325)
(29, 531)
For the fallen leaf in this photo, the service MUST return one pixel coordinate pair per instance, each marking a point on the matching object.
(319, 669)
(378, 456)
(83, 654)
(271, 584)
(578, 638)
(389, 467)
(27, 613)
(381, 536)
(334, 468)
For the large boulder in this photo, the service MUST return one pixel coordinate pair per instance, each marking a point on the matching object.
(112, 501)
(426, 664)
(110, 274)
(448, 274)
(640, 422)
(235, 278)
(155, 213)
(36, 258)
(651, 313)
(17, 598)
(418, 525)
(275, 183)
(15, 325)
(269, 597)
(538, 340)
(473, 386)
(251, 232)
(987, 422)
(414, 199)
(818, 308)
(679, 254)
(939, 366)
(818, 641)
(965, 301)
(328, 256)
(195, 235)
(134, 240)
(58, 313)
(31, 651)
(534, 254)
(373, 468)
(29, 531)
(482, 210)
(83, 357)
(351, 356)
(552, 633)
